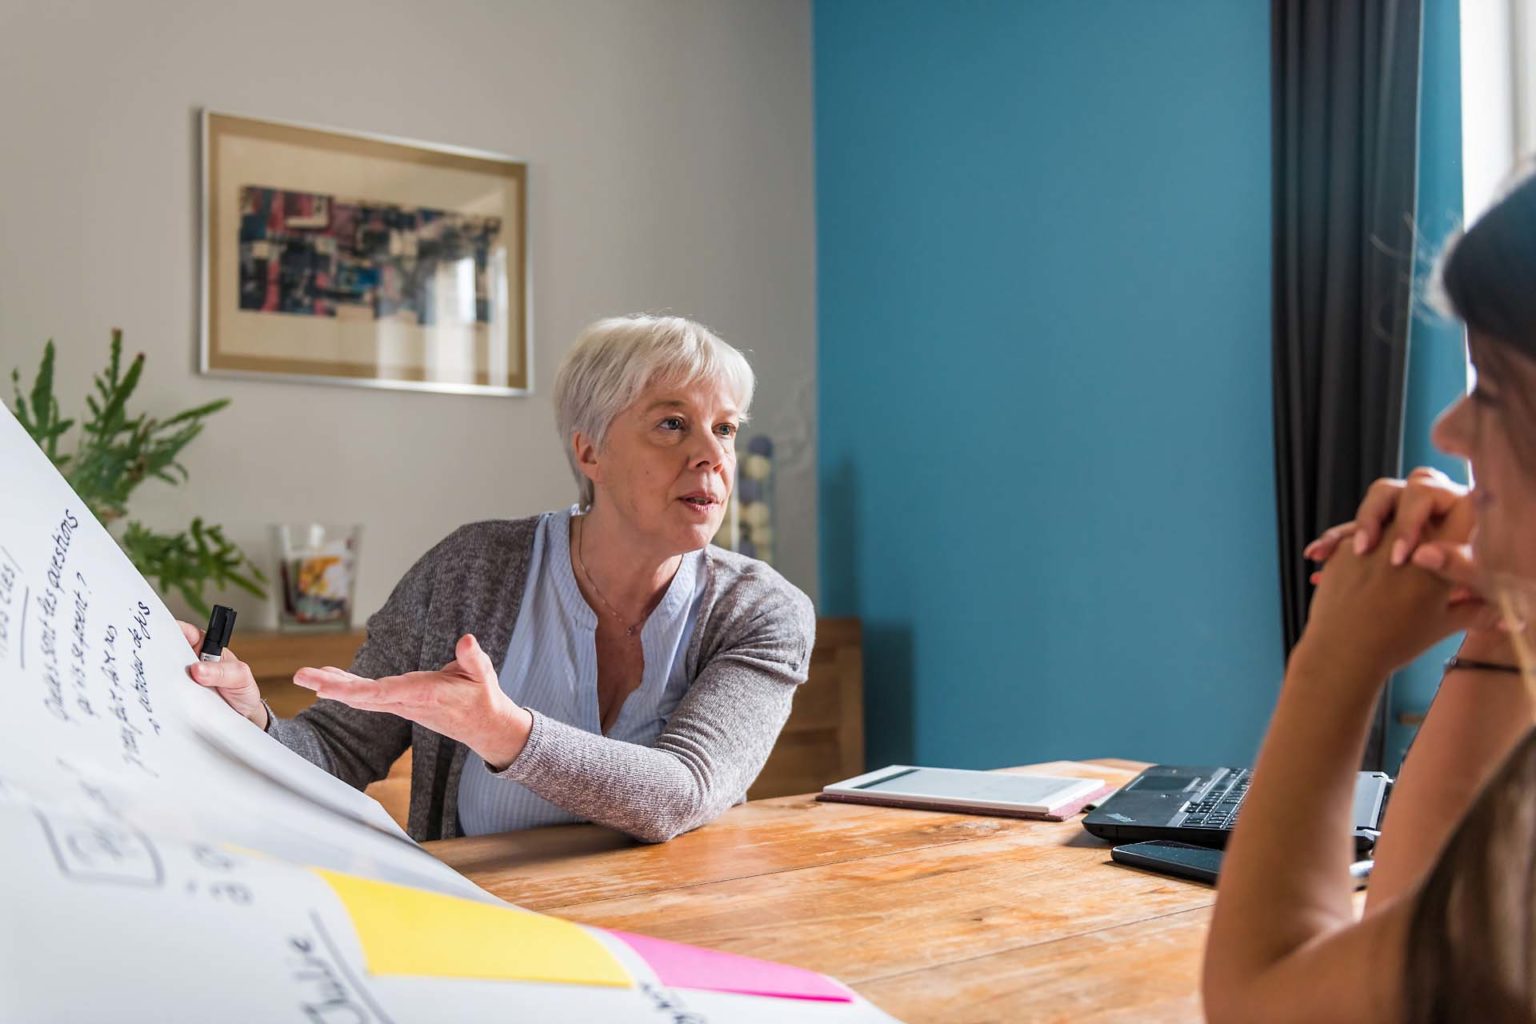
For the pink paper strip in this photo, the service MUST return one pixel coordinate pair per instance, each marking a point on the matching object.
(680, 966)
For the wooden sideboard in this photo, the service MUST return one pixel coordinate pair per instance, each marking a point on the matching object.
(823, 741)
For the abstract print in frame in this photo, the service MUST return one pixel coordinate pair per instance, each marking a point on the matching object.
(356, 259)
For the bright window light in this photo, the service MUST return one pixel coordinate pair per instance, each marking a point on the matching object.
(1489, 104)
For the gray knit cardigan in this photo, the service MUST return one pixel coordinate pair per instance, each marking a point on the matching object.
(750, 649)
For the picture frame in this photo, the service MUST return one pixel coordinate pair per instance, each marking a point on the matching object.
(365, 260)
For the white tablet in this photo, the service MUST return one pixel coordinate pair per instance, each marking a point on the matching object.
(975, 792)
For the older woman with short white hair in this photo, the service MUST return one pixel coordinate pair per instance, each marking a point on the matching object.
(601, 663)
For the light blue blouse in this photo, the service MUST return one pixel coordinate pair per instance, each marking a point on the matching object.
(551, 666)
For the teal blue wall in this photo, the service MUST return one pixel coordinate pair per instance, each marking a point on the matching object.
(1046, 460)
(1437, 361)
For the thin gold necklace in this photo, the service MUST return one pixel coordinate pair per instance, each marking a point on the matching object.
(581, 537)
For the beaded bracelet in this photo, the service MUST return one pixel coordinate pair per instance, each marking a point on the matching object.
(1451, 664)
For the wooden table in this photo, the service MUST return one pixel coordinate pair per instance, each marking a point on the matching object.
(932, 917)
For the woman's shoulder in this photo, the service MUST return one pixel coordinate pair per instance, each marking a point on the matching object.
(492, 531)
(747, 593)
(490, 545)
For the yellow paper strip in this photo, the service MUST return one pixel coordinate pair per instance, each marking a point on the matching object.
(426, 934)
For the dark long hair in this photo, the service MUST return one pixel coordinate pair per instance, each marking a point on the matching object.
(1471, 953)
(1487, 278)
(1489, 274)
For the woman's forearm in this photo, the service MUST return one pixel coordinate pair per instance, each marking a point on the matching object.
(650, 793)
(1476, 718)
(713, 747)
(1284, 878)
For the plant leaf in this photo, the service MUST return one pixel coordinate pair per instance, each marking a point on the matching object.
(116, 452)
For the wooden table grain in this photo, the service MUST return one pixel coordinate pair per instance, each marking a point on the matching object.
(932, 917)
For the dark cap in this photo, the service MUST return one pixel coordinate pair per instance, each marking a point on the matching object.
(221, 626)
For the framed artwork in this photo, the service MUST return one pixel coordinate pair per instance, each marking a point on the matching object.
(357, 259)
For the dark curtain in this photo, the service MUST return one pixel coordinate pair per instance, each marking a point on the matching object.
(1345, 123)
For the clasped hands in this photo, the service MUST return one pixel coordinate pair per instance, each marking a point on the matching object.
(1398, 578)
(463, 700)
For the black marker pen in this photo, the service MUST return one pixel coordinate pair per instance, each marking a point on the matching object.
(221, 625)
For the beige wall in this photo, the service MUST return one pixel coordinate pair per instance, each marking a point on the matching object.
(669, 146)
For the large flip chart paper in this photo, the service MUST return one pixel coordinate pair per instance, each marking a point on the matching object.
(96, 705)
(162, 859)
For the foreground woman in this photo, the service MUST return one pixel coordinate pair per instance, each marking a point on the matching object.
(1448, 931)
(601, 663)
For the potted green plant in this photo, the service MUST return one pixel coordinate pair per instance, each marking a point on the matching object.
(115, 453)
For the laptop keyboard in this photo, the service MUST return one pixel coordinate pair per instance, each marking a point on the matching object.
(1218, 807)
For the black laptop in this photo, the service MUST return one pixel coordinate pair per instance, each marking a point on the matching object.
(1199, 805)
